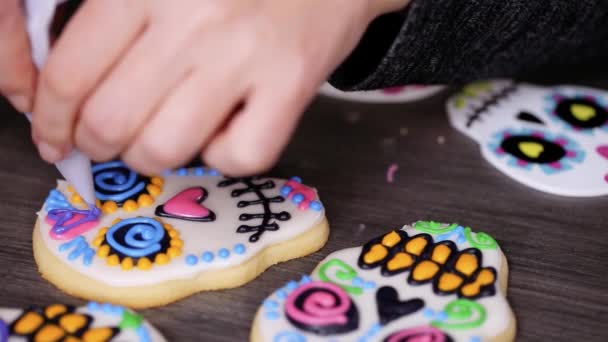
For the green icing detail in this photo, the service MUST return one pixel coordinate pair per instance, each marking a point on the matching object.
(130, 320)
(462, 314)
(433, 227)
(344, 273)
(480, 240)
(469, 92)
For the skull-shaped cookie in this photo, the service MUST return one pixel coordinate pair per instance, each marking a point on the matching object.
(425, 282)
(552, 139)
(159, 239)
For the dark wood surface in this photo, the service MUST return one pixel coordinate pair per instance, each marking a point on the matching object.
(557, 247)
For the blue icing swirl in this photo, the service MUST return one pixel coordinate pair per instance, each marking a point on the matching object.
(114, 181)
(143, 236)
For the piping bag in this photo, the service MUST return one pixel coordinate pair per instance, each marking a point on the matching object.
(76, 167)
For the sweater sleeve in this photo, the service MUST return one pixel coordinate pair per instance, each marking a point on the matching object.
(456, 41)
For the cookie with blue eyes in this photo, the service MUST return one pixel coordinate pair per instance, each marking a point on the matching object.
(553, 139)
(153, 240)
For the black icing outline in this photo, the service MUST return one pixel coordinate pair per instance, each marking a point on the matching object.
(160, 210)
(492, 101)
(390, 307)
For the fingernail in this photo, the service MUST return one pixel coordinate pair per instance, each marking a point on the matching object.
(20, 102)
(49, 153)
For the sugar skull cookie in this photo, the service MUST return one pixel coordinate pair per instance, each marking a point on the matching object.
(425, 282)
(91, 323)
(388, 95)
(153, 240)
(551, 139)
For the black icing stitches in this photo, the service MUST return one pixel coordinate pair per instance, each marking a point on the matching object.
(267, 216)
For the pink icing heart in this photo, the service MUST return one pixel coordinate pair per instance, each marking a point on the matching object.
(603, 151)
(187, 204)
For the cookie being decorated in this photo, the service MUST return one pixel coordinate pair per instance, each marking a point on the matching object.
(91, 323)
(153, 240)
(388, 95)
(425, 282)
(553, 139)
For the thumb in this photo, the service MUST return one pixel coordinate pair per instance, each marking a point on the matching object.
(17, 71)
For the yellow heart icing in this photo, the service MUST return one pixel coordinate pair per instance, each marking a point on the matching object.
(582, 112)
(531, 149)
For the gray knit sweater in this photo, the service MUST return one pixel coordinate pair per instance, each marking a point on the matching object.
(455, 41)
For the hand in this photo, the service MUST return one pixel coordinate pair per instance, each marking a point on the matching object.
(158, 81)
(17, 71)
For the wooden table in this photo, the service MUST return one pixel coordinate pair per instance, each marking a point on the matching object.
(557, 247)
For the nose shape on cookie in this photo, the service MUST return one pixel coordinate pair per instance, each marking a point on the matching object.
(602, 150)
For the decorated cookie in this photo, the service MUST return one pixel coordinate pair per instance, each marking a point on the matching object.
(551, 139)
(59, 322)
(153, 240)
(388, 95)
(426, 282)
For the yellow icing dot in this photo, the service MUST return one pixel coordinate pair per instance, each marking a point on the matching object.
(391, 239)
(130, 205)
(416, 245)
(174, 252)
(53, 310)
(153, 189)
(109, 207)
(176, 242)
(161, 258)
(76, 199)
(49, 332)
(70, 188)
(116, 221)
(582, 112)
(425, 270)
(157, 181)
(97, 334)
(145, 200)
(449, 282)
(28, 323)
(173, 233)
(112, 260)
(103, 251)
(126, 264)
(441, 253)
(144, 264)
(167, 226)
(467, 264)
(375, 254)
(399, 261)
(72, 322)
(104, 230)
(531, 149)
(97, 241)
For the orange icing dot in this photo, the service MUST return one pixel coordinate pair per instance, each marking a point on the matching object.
(467, 264)
(176, 242)
(97, 334)
(112, 260)
(485, 277)
(399, 261)
(28, 323)
(441, 253)
(172, 233)
(425, 270)
(161, 259)
(49, 332)
(126, 264)
(76, 199)
(53, 310)
(391, 239)
(70, 188)
(103, 251)
(72, 322)
(70, 339)
(174, 252)
(130, 205)
(109, 207)
(416, 245)
(153, 189)
(144, 264)
(98, 240)
(449, 282)
(157, 181)
(375, 254)
(145, 200)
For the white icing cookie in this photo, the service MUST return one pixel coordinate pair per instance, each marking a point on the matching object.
(426, 282)
(388, 95)
(92, 323)
(551, 139)
(160, 239)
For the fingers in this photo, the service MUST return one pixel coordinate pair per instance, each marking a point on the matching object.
(100, 32)
(17, 72)
(189, 116)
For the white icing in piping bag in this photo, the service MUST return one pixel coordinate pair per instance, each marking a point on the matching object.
(76, 167)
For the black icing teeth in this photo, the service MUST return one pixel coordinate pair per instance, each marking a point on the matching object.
(495, 97)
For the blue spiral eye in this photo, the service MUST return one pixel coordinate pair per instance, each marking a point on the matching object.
(114, 181)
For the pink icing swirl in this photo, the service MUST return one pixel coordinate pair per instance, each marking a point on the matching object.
(318, 304)
(418, 334)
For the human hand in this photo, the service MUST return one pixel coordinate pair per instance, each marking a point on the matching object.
(17, 71)
(156, 82)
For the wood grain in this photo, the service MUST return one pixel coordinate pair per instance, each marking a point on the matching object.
(557, 247)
